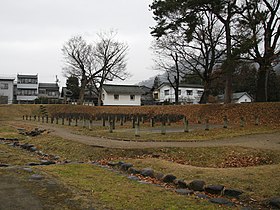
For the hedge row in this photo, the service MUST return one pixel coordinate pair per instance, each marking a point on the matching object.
(268, 113)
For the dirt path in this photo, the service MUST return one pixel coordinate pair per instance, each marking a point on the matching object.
(264, 141)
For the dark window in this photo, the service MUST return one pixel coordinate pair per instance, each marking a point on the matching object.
(156, 96)
(189, 92)
(166, 92)
(4, 86)
(132, 97)
(116, 97)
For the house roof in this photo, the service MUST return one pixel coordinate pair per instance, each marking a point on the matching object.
(6, 79)
(183, 85)
(123, 89)
(235, 96)
(27, 76)
(49, 86)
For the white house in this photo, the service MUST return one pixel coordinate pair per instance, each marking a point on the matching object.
(241, 97)
(48, 90)
(188, 93)
(121, 95)
(27, 88)
(6, 90)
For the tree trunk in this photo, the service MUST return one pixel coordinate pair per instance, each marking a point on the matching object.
(82, 91)
(206, 92)
(261, 95)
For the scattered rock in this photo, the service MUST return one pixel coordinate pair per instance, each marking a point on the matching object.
(158, 175)
(180, 183)
(214, 189)
(4, 165)
(28, 170)
(197, 185)
(274, 202)
(222, 201)
(202, 196)
(135, 178)
(113, 164)
(232, 192)
(33, 164)
(36, 177)
(126, 166)
(26, 146)
(169, 178)
(33, 149)
(155, 155)
(47, 162)
(133, 171)
(184, 191)
(147, 172)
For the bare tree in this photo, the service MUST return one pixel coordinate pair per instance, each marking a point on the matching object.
(95, 64)
(110, 56)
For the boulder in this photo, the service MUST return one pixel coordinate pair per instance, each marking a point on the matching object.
(274, 202)
(113, 164)
(180, 183)
(28, 170)
(232, 192)
(33, 149)
(133, 171)
(33, 164)
(4, 165)
(202, 196)
(168, 178)
(184, 191)
(221, 201)
(47, 162)
(36, 177)
(134, 178)
(158, 175)
(147, 172)
(214, 189)
(126, 166)
(197, 185)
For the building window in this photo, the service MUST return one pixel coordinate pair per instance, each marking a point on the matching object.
(166, 92)
(132, 97)
(189, 92)
(199, 92)
(4, 86)
(27, 92)
(116, 97)
(179, 92)
(156, 96)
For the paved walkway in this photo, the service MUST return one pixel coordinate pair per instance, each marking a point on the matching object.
(264, 141)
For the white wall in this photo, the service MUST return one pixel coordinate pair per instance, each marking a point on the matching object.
(124, 100)
(194, 98)
(244, 99)
(7, 92)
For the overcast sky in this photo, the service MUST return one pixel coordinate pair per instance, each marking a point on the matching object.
(33, 32)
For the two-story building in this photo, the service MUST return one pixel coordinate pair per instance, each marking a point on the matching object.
(188, 93)
(6, 90)
(27, 88)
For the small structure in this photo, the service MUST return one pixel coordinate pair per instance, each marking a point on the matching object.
(188, 93)
(121, 95)
(48, 90)
(27, 88)
(6, 90)
(237, 98)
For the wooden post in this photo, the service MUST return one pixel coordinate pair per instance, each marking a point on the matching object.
(121, 120)
(22, 117)
(90, 124)
(56, 120)
(111, 126)
(257, 120)
(186, 125)
(26, 117)
(133, 122)
(34, 117)
(84, 122)
(62, 121)
(103, 121)
(30, 118)
(52, 119)
(43, 119)
(163, 128)
(225, 122)
(69, 121)
(207, 124)
(114, 122)
(242, 121)
(47, 119)
(38, 118)
(137, 130)
(152, 122)
(76, 121)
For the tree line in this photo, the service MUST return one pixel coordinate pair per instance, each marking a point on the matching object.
(219, 38)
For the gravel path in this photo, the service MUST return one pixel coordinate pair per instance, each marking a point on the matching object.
(263, 141)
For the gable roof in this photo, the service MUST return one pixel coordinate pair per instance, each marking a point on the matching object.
(53, 86)
(236, 96)
(123, 89)
(183, 85)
